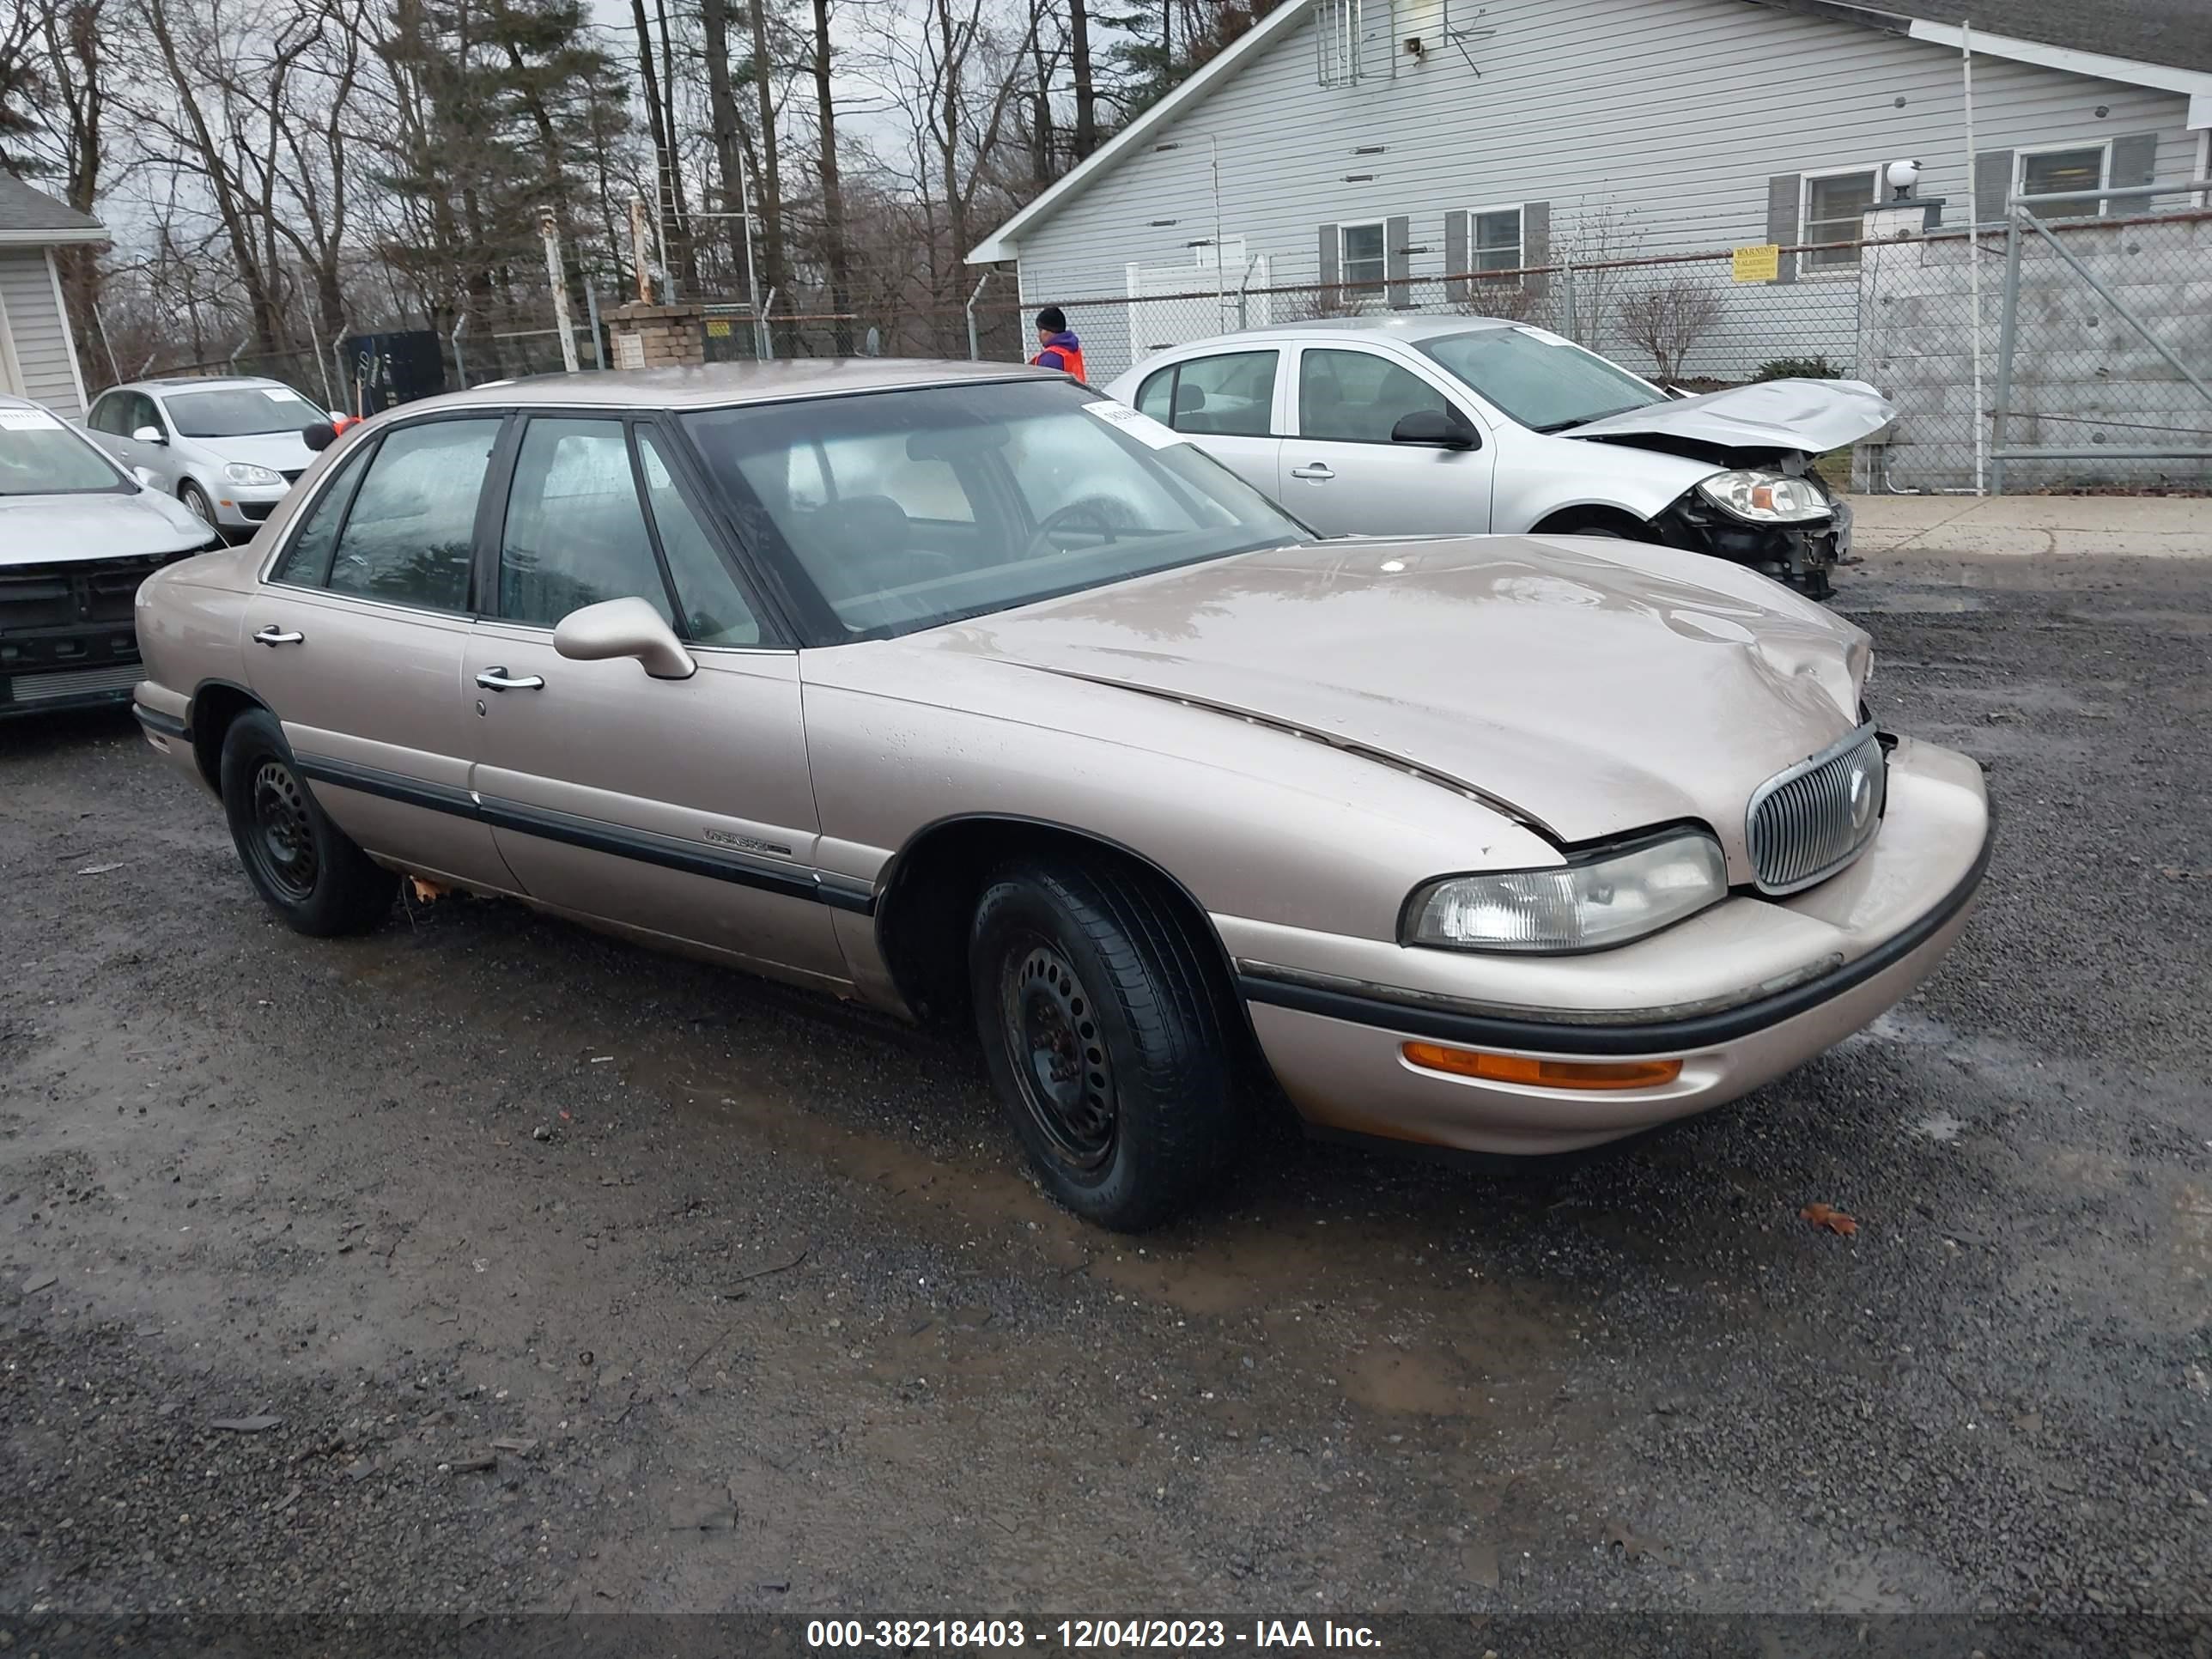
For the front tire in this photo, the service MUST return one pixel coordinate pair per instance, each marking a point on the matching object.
(304, 866)
(197, 502)
(1107, 1036)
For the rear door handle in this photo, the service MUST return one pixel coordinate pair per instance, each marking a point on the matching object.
(1317, 472)
(273, 634)
(498, 679)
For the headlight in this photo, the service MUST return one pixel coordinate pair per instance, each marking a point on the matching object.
(241, 472)
(1606, 899)
(1766, 497)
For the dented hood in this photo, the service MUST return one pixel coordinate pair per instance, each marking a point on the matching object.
(1593, 687)
(1812, 415)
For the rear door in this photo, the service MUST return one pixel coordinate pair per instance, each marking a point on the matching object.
(355, 640)
(679, 808)
(1343, 475)
(1228, 403)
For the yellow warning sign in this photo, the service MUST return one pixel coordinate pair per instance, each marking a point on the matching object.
(718, 327)
(1762, 263)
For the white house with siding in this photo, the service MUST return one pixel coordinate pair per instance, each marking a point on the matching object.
(1396, 142)
(38, 353)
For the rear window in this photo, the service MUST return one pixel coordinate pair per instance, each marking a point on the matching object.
(40, 456)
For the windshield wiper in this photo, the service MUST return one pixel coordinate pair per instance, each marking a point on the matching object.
(1584, 420)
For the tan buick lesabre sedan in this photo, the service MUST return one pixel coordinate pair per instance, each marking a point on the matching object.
(964, 691)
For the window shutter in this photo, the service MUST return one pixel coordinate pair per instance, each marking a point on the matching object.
(1992, 183)
(1784, 191)
(1327, 266)
(1536, 245)
(1396, 266)
(1456, 255)
(2135, 162)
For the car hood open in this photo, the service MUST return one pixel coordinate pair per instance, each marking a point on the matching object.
(38, 530)
(1771, 416)
(1592, 687)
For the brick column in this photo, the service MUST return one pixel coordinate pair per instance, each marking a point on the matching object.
(656, 336)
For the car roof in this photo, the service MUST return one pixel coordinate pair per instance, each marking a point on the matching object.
(716, 385)
(1376, 328)
(197, 383)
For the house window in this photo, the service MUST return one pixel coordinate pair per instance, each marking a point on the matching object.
(1835, 211)
(2058, 171)
(1495, 236)
(1360, 253)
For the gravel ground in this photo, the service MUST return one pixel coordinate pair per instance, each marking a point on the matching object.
(486, 1266)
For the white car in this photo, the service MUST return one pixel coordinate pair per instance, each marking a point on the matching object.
(1457, 425)
(228, 448)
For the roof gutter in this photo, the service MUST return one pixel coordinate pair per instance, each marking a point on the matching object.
(2128, 71)
(17, 238)
(1004, 242)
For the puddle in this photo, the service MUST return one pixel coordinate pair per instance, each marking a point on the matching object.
(1938, 1126)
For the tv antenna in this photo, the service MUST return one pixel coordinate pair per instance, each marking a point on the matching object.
(1460, 37)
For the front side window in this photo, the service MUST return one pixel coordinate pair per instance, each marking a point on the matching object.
(1496, 240)
(40, 456)
(108, 414)
(1544, 381)
(240, 411)
(575, 533)
(1360, 257)
(2055, 172)
(1356, 397)
(714, 611)
(957, 501)
(408, 537)
(306, 562)
(1835, 211)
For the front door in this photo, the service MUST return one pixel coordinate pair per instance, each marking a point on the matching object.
(681, 808)
(356, 639)
(1342, 474)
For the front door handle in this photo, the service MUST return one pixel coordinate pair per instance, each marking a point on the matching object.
(273, 634)
(498, 679)
(1317, 473)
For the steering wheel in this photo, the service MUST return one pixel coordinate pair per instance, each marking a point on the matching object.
(1101, 509)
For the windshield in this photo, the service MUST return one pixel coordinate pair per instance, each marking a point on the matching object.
(1539, 379)
(40, 456)
(240, 411)
(901, 510)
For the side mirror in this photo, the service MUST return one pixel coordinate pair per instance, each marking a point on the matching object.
(150, 434)
(624, 628)
(148, 478)
(338, 416)
(1435, 427)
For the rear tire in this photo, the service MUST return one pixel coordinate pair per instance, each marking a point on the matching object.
(304, 866)
(1106, 1037)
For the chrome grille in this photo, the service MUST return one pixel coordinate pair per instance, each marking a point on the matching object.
(1810, 821)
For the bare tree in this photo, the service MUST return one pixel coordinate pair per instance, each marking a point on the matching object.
(837, 252)
(1668, 318)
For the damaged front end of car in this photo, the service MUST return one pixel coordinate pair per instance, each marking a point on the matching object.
(1780, 520)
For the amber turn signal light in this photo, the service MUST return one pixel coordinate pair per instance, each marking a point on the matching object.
(1542, 1073)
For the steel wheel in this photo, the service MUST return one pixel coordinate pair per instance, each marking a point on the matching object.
(1059, 1058)
(283, 845)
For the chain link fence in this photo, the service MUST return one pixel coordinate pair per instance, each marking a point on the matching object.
(2039, 352)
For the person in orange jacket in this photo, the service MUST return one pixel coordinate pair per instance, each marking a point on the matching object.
(1057, 348)
(321, 435)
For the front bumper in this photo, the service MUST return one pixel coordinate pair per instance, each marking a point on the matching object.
(1800, 556)
(246, 507)
(1808, 971)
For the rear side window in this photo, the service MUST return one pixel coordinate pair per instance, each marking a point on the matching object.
(575, 533)
(406, 540)
(1230, 395)
(306, 562)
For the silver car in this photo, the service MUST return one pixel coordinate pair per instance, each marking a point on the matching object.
(228, 448)
(78, 536)
(1453, 425)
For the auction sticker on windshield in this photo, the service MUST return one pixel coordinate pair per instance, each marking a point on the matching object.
(1143, 428)
(28, 420)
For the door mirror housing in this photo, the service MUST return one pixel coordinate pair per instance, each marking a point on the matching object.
(624, 628)
(150, 434)
(1437, 427)
(147, 477)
